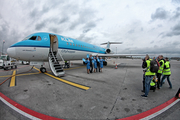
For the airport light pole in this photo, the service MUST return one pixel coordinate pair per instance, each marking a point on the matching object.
(2, 47)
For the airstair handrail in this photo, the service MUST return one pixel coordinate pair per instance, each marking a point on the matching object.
(61, 56)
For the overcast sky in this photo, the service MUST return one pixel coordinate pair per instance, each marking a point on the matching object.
(144, 26)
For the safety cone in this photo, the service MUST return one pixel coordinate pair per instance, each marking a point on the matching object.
(116, 66)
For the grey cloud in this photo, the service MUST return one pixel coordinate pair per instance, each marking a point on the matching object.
(83, 37)
(159, 14)
(64, 19)
(39, 26)
(176, 1)
(89, 26)
(131, 31)
(87, 30)
(175, 31)
(85, 15)
(38, 13)
(176, 14)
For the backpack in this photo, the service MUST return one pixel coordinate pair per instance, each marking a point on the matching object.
(154, 66)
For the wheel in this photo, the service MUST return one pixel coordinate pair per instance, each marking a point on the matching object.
(43, 69)
(5, 68)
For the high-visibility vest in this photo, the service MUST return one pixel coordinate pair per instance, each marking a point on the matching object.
(148, 72)
(161, 67)
(167, 71)
(152, 83)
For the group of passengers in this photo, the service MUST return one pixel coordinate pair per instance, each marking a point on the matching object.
(149, 76)
(93, 61)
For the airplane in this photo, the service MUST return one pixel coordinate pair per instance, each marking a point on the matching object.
(41, 47)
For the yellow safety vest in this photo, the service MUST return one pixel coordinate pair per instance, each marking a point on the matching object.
(152, 83)
(161, 67)
(148, 72)
(167, 71)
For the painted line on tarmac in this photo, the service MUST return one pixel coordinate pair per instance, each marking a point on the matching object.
(13, 79)
(67, 82)
(20, 74)
(25, 111)
(154, 111)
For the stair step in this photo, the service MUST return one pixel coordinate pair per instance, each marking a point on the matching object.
(59, 70)
(58, 67)
(55, 65)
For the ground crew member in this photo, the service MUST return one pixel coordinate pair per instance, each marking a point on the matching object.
(166, 73)
(159, 73)
(148, 75)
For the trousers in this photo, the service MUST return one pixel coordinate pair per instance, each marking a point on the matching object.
(147, 84)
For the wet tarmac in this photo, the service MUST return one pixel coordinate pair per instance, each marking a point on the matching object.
(112, 94)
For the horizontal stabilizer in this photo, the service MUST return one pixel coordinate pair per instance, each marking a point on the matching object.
(111, 43)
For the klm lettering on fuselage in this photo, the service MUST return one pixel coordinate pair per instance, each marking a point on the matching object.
(67, 51)
(66, 39)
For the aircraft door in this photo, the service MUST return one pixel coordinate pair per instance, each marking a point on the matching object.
(53, 43)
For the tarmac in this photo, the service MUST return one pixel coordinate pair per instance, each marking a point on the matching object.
(107, 95)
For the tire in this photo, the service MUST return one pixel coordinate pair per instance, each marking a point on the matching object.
(43, 69)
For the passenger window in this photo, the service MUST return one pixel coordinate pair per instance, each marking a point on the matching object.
(70, 43)
(33, 38)
(73, 44)
(67, 43)
(39, 38)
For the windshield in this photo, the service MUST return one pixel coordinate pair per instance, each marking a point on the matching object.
(3, 57)
(38, 38)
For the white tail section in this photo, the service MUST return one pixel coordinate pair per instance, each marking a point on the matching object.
(109, 43)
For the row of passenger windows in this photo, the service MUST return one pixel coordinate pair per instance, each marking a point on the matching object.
(80, 46)
(83, 46)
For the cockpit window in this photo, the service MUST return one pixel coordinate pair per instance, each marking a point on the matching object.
(38, 38)
(33, 38)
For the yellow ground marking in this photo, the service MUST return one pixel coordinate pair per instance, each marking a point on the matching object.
(20, 74)
(12, 83)
(37, 72)
(67, 82)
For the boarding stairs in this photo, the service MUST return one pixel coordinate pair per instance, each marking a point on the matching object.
(56, 68)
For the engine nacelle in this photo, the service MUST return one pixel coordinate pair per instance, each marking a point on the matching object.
(108, 51)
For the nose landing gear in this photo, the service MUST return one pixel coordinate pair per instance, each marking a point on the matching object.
(43, 69)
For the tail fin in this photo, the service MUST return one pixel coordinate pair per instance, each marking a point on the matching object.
(109, 43)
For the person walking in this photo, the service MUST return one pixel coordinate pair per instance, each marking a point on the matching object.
(87, 65)
(159, 73)
(166, 73)
(101, 63)
(91, 63)
(148, 75)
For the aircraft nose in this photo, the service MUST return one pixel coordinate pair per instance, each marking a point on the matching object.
(11, 52)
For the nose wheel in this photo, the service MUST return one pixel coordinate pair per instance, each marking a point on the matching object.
(43, 69)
